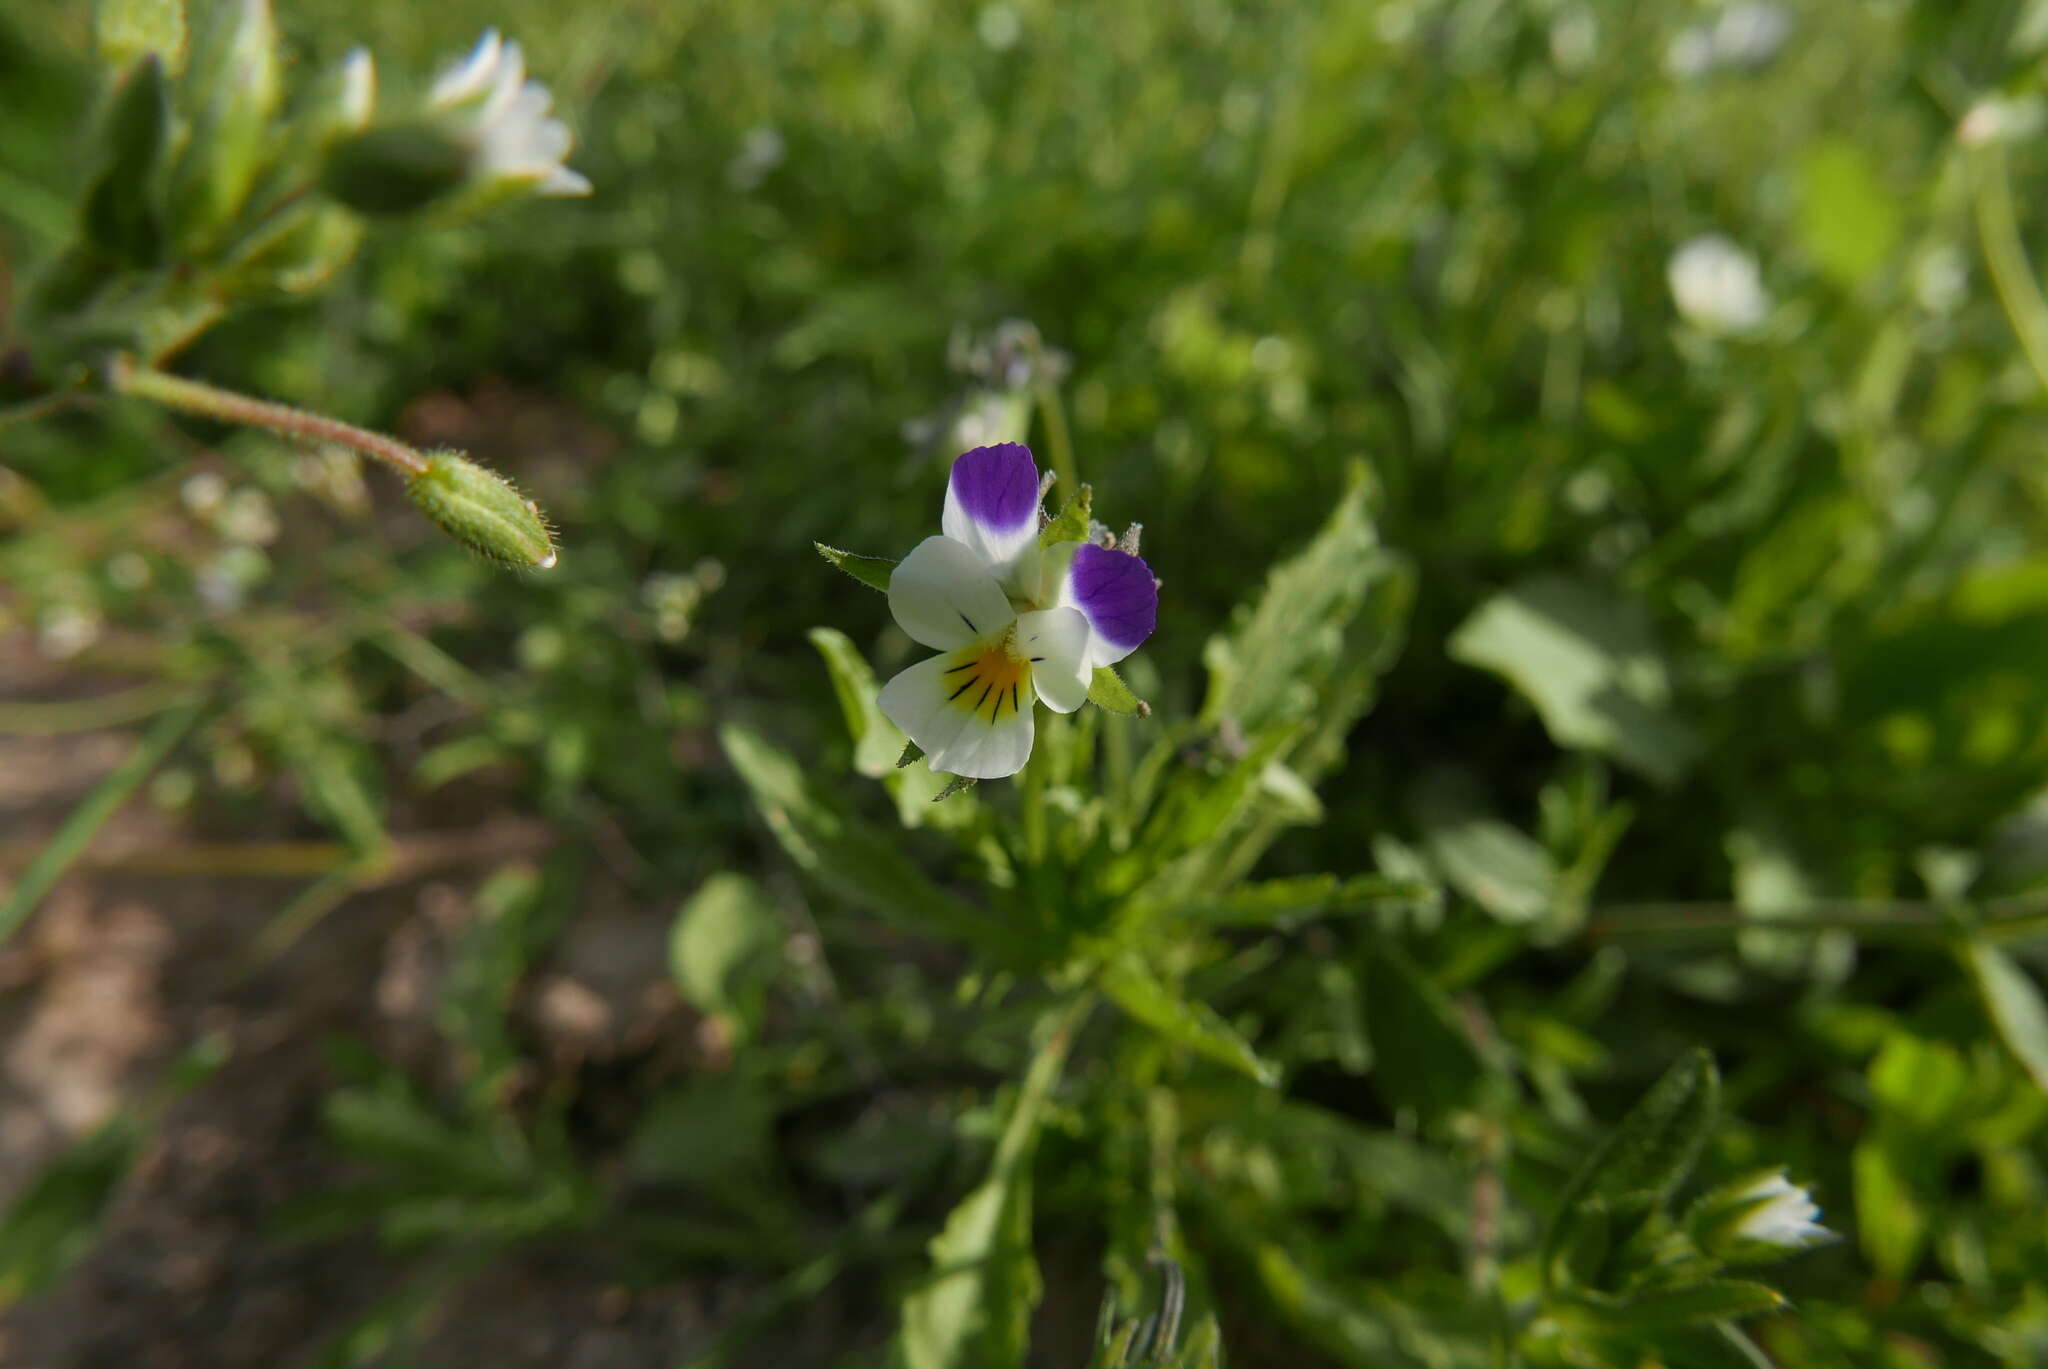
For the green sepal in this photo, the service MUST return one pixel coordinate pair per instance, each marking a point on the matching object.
(397, 169)
(124, 214)
(228, 93)
(297, 250)
(1108, 690)
(1072, 523)
(872, 571)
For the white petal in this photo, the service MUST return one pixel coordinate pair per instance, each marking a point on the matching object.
(562, 181)
(469, 75)
(507, 84)
(916, 701)
(358, 88)
(970, 710)
(988, 751)
(943, 595)
(1056, 642)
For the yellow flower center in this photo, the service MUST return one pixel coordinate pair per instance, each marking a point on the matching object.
(987, 678)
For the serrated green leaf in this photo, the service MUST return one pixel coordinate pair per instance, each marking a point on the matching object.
(722, 950)
(845, 854)
(1657, 1143)
(1584, 656)
(872, 571)
(1184, 1021)
(1108, 690)
(1071, 525)
(1645, 1157)
(1269, 665)
(2013, 1002)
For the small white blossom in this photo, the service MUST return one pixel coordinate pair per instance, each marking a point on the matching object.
(65, 630)
(512, 136)
(1745, 35)
(1717, 285)
(203, 491)
(1996, 118)
(358, 89)
(1784, 1216)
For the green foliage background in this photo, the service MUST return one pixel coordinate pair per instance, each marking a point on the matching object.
(1707, 675)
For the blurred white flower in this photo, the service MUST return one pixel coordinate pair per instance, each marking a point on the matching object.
(1750, 32)
(1784, 1215)
(64, 630)
(1996, 118)
(247, 516)
(513, 138)
(202, 492)
(1574, 40)
(358, 89)
(1717, 285)
(1941, 279)
(127, 570)
(1745, 35)
(761, 151)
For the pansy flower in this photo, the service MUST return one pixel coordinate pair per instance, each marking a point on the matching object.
(1014, 622)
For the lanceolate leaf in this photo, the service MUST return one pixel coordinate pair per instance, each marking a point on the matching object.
(845, 854)
(1269, 665)
(872, 571)
(1184, 1021)
(1645, 1157)
(2014, 1004)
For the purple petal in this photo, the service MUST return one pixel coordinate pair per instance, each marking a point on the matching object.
(1115, 590)
(997, 487)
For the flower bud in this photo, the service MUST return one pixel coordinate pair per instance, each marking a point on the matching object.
(1763, 1217)
(483, 135)
(480, 509)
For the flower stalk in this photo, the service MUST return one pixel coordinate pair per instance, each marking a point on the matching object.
(226, 406)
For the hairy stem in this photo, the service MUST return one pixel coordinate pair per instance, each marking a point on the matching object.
(210, 401)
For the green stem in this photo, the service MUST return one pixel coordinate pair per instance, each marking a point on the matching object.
(2019, 294)
(2008, 919)
(210, 401)
(1059, 443)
